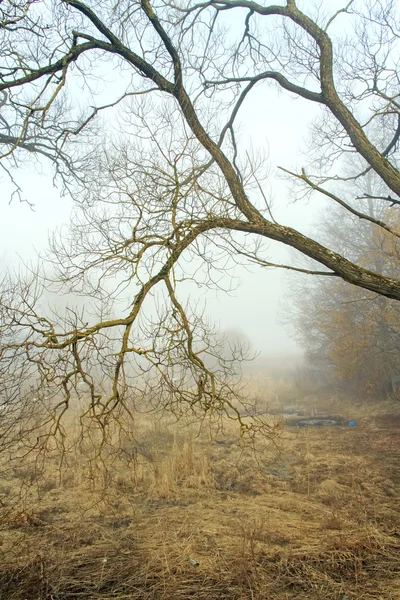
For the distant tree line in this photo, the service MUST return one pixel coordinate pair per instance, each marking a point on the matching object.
(351, 335)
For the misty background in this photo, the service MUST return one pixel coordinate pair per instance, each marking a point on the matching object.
(254, 310)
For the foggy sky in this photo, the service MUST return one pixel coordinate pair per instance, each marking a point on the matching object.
(269, 119)
(254, 307)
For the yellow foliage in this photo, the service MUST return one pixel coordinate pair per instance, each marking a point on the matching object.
(358, 331)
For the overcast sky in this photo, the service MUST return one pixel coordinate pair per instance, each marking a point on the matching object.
(269, 119)
(254, 307)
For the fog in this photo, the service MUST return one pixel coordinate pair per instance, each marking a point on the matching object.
(271, 122)
(254, 307)
(163, 433)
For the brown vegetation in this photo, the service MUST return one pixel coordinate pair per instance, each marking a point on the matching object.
(353, 335)
(312, 516)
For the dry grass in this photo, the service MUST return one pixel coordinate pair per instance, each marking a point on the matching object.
(314, 517)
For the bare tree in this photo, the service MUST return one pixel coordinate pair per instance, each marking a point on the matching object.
(184, 202)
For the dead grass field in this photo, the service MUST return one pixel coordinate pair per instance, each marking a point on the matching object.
(314, 515)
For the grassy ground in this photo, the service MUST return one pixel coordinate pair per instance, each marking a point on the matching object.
(313, 515)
